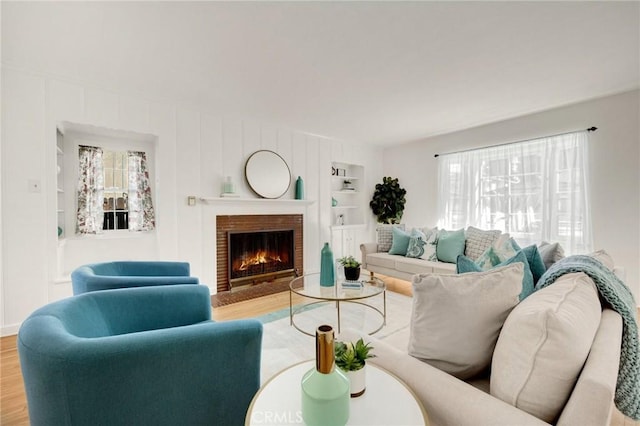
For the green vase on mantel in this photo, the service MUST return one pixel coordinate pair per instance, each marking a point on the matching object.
(325, 389)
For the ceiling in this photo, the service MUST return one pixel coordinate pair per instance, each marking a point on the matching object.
(374, 72)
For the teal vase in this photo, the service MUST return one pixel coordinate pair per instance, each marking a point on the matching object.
(299, 189)
(325, 389)
(327, 267)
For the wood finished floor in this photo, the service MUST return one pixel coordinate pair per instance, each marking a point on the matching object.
(13, 405)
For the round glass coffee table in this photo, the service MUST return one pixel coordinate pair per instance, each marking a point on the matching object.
(308, 286)
(387, 400)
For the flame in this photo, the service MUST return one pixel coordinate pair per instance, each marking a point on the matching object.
(260, 257)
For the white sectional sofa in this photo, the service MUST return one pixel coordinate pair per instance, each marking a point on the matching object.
(451, 401)
(400, 267)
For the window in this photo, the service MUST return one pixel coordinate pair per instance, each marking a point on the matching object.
(114, 191)
(534, 190)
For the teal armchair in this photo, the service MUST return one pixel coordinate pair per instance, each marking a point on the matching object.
(149, 355)
(123, 274)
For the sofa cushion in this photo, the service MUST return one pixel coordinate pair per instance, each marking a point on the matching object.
(400, 241)
(450, 244)
(478, 240)
(420, 266)
(384, 235)
(465, 265)
(456, 319)
(384, 260)
(550, 253)
(544, 344)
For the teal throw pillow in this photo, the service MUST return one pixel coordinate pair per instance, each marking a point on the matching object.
(400, 242)
(450, 245)
(464, 264)
(535, 262)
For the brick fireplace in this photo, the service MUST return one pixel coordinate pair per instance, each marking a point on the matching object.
(280, 255)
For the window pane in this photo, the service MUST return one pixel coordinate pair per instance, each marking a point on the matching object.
(107, 159)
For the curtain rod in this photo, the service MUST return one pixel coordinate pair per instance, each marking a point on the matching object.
(590, 129)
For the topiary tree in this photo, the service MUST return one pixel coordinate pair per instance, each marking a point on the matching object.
(388, 201)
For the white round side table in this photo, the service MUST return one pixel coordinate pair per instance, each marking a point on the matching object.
(387, 400)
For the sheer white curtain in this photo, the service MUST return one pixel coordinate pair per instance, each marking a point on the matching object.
(534, 190)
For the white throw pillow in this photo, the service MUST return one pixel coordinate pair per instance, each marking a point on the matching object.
(456, 319)
(544, 344)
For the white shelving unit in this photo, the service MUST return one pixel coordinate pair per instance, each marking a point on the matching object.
(347, 194)
(348, 209)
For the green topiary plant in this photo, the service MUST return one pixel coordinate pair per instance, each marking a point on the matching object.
(388, 201)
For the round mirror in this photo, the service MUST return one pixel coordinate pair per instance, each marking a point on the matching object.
(268, 174)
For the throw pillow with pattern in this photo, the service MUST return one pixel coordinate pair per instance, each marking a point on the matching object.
(417, 241)
(478, 241)
(501, 250)
(385, 236)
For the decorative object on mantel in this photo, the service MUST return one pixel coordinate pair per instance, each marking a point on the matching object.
(351, 359)
(347, 185)
(228, 189)
(299, 189)
(334, 202)
(327, 269)
(267, 174)
(388, 201)
(351, 268)
(325, 389)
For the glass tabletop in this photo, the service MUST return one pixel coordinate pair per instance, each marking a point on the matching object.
(309, 286)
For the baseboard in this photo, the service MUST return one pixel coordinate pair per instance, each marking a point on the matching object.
(9, 330)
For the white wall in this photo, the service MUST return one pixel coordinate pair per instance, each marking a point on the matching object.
(195, 150)
(615, 168)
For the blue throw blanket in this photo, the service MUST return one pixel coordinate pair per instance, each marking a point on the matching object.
(619, 297)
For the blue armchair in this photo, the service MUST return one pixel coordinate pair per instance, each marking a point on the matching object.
(123, 274)
(138, 356)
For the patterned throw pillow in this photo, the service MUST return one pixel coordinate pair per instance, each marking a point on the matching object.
(478, 241)
(422, 244)
(417, 241)
(385, 236)
(501, 250)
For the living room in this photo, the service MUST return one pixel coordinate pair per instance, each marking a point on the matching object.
(112, 66)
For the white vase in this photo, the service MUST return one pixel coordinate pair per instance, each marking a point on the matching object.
(357, 381)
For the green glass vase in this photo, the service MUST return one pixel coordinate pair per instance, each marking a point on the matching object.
(327, 267)
(325, 389)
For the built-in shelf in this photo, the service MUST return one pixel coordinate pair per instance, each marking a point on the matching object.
(214, 200)
(344, 207)
(345, 191)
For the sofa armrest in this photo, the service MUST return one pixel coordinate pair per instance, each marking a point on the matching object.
(592, 397)
(447, 400)
(365, 249)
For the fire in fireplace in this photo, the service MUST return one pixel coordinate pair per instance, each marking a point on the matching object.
(260, 254)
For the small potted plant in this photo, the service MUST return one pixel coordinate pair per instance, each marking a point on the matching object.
(351, 358)
(351, 268)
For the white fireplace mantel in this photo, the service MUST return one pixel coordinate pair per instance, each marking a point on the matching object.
(265, 201)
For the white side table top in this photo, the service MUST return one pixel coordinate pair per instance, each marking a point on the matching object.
(387, 400)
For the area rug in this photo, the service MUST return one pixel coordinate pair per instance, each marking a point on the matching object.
(283, 345)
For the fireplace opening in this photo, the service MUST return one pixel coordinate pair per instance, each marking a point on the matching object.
(257, 255)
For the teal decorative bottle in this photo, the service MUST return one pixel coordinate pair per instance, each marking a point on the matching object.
(327, 267)
(325, 389)
(299, 189)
